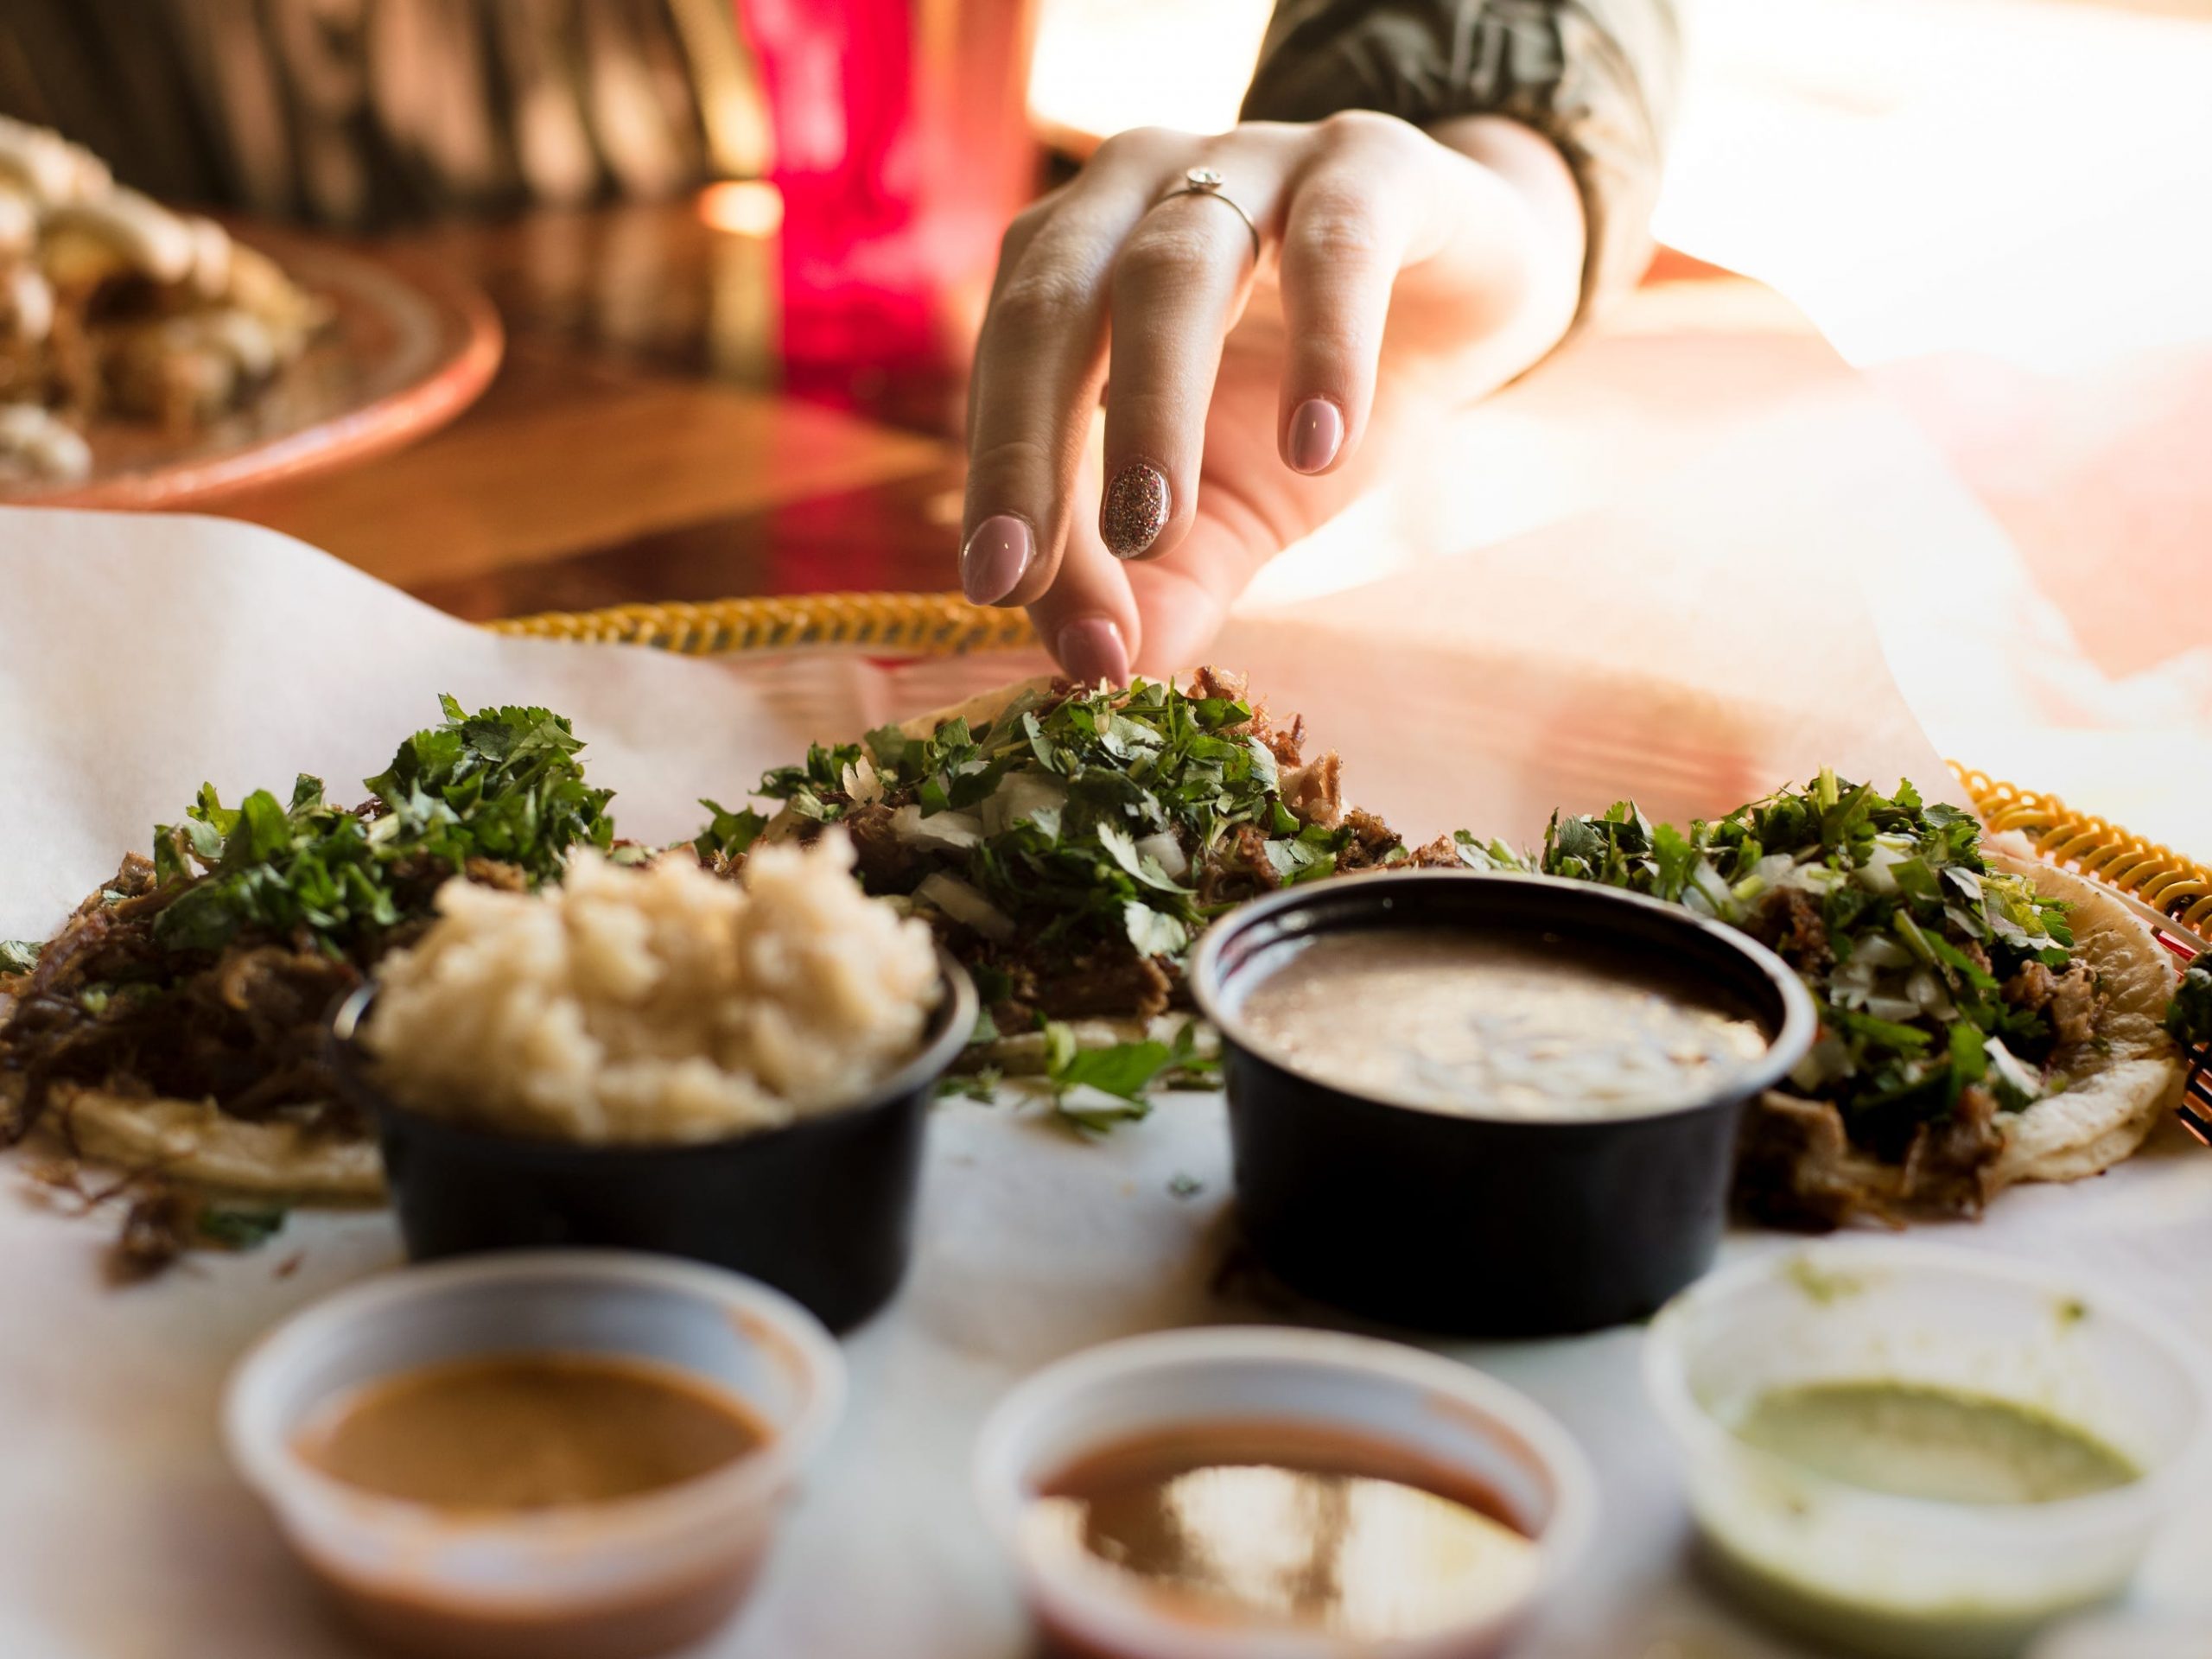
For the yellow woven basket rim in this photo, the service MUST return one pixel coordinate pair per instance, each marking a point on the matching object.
(928, 624)
(2178, 889)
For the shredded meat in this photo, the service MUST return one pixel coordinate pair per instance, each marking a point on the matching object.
(244, 1032)
(157, 1228)
(2031, 988)
(1442, 853)
(1285, 744)
(2074, 1003)
(1372, 842)
(107, 1006)
(1948, 1166)
(1212, 682)
(1797, 1166)
(1108, 982)
(1312, 791)
(2070, 1001)
(1236, 869)
(885, 863)
(1788, 921)
(506, 878)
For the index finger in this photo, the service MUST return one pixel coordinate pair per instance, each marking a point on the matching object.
(1088, 619)
(1039, 367)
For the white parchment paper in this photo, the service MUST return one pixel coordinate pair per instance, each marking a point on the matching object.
(139, 656)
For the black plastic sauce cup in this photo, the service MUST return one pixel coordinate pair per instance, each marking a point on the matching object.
(823, 1209)
(1489, 1226)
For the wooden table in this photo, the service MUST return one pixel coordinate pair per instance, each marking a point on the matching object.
(636, 443)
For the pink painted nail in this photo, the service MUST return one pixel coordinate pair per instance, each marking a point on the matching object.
(1091, 649)
(996, 554)
(1316, 432)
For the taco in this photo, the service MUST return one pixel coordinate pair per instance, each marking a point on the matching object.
(1069, 844)
(173, 1027)
(1985, 1018)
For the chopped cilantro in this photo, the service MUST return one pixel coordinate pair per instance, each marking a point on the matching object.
(1125, 1073)
(2189, 1016)
(236, 1228)
(727, 831)
(980, 1084)
(501, 784)
(1089, 810)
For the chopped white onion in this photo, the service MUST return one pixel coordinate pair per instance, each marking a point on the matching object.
(1814, 877)
(1924, 988)
(1769, 870)
(955, 831)
(1893, 1007)
(1880, 950)
(2007, 1065)
(1827, 1060)
(1019, 795)
(963, 904)
(1707, 880)
(1166, 851)
(862, 782)
(1875, 872)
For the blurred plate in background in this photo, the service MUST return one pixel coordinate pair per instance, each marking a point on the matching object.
(410, 346)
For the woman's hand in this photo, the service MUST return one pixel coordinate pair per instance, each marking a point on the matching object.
(1400, 276)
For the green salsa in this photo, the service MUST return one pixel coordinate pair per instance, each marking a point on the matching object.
(1918, 1441)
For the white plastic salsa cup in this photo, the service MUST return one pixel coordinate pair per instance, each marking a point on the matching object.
(1444, 1416)
(601, 1580)
(1877, 1572)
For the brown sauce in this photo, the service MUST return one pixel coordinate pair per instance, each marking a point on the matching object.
(1290, 1525)
(528, 1432)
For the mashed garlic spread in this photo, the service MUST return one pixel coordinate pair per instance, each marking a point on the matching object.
(657, 1005)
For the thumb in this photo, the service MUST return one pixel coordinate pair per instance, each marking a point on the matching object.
(1184, 596)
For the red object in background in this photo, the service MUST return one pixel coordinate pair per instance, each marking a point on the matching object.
(902, 147)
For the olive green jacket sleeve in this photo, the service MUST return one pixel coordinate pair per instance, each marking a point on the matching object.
(1596, 77)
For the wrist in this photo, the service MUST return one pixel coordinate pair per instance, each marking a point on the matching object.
(1547, 230)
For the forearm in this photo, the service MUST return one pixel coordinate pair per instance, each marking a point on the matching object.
(1594, 78)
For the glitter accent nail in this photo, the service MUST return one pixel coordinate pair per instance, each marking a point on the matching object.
(1134, 510)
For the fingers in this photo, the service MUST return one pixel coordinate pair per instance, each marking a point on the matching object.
(1109, 276)
(1039, 369)
(1351, 216)
(1183, 597)
(1089, 618)
(1106, 616)
(1178, 286)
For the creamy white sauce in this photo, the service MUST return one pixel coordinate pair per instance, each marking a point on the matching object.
(1478, 1027)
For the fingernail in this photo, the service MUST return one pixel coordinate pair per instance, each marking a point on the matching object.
(996, 554)
(1134, 510)
(1091, 650)
(1316, 432)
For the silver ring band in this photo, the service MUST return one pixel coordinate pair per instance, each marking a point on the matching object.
(1205, 182)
